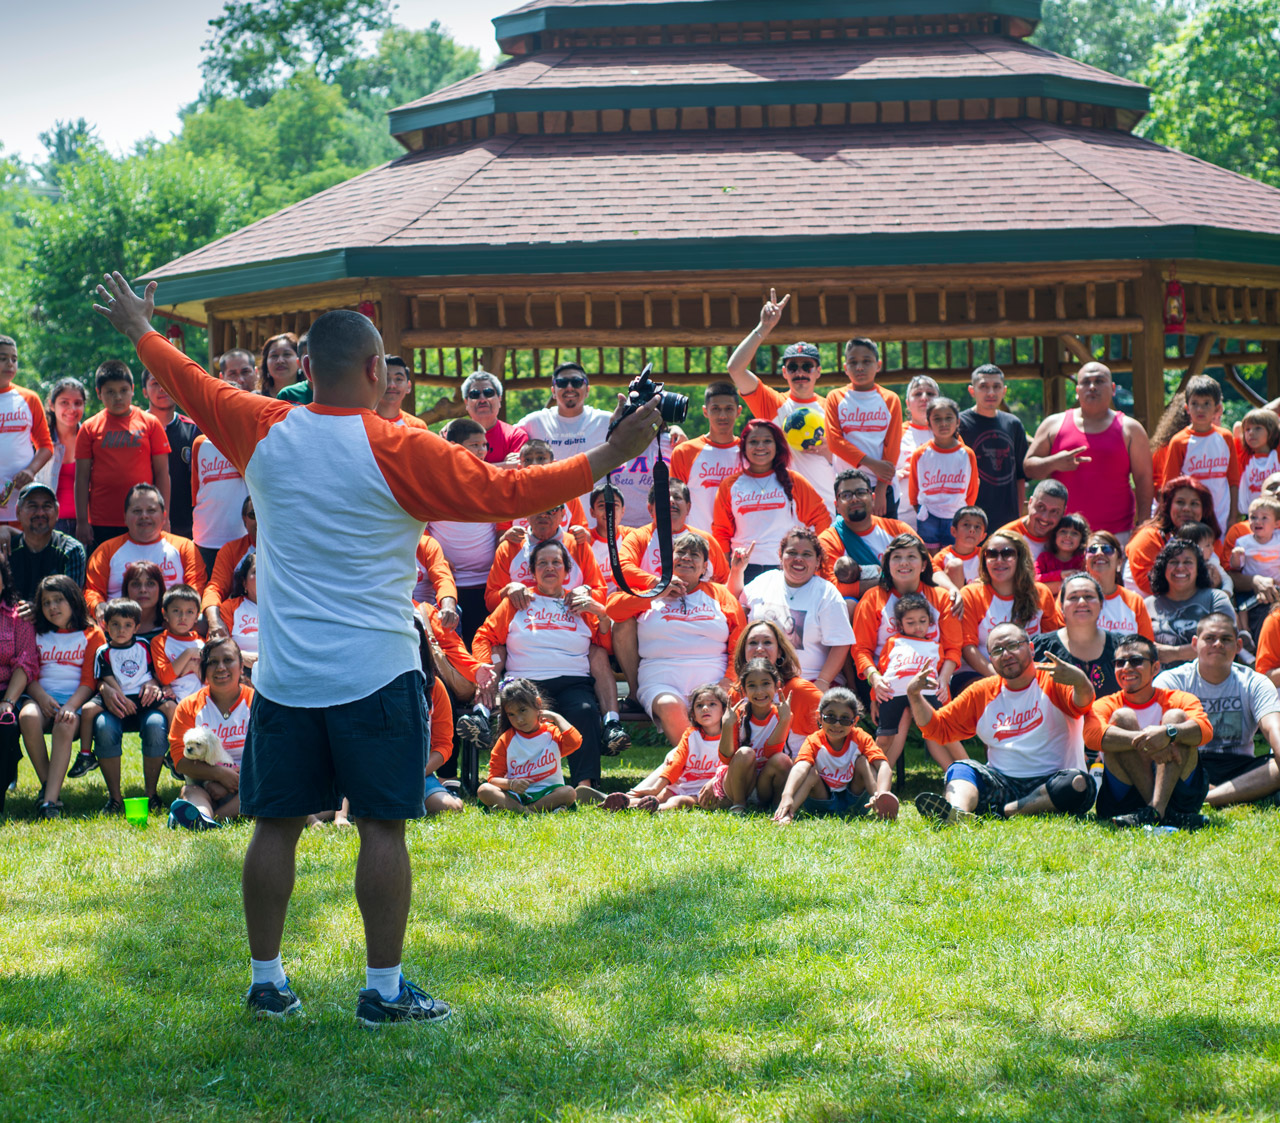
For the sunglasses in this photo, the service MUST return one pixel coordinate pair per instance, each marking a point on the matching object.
(1100, 548)
(571, 383)
(1003, 553)
(483, 392)
(1131, 660)
(838, 719)
(798, 367)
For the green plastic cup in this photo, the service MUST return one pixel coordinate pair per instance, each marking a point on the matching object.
(135, 810)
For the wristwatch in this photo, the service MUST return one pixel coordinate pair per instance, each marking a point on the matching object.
(1171, 731)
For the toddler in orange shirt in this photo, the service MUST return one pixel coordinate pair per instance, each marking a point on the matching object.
(526, 770)
(753, 740)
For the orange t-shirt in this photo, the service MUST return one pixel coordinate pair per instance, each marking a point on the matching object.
(119, 451)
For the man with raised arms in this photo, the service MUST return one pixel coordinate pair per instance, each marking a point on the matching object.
(339, 708)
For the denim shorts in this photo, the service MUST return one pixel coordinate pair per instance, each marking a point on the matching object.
(300, 761)
(847, 802)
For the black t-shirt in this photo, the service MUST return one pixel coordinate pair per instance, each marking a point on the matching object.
(1101, 671)
(1000, 445)
(182, 433)
(64, 555)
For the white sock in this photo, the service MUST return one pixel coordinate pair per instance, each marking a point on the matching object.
(612, 715)
(268, 971)
(385, 980)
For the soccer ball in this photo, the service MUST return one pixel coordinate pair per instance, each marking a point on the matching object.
(805, 429)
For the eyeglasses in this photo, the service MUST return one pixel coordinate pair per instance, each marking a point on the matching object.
(573, 382)
(1005, 648)
(800, 366)
(1003, 553)
(860, 493)
(1131, 660)
(483, 392)
(1100, 548)
(838, 719)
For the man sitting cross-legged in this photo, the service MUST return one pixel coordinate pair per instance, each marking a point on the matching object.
(1150, 738)
(1030, 718)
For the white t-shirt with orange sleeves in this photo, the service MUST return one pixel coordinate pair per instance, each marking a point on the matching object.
(704, 466)
(692, 763)
(1019, 527)
(24, 429)
(863, 423)
(1254, 471)
(759, 731)
(942, 480)
(514, 562)
(751, 508)
(873, 625)
(469, 548)
(600, 551)
(66, 661)
(640, 553)
(983, 610)
(768, 404)
(544, 639)
(241, 618)
(178, 559)
(1035, 731)
(537, 757)
(1124, 612)
(913, 436)
(813, 616)
(1209, 458)
(1261, 559)
(218, 492)
(435, 578)
(1148, 713)
(904, 657)
(199, 709)
(166, 649)
(370, 488)
(970, 563)
(836, 769)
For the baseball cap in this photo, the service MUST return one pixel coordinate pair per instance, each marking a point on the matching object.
(802, 351)
(32, 488)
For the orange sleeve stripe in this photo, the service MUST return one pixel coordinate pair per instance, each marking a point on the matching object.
(98, 573)
(810, 508)
(893, 435)
(1233, 458)
(498, 756)
(971, 496)
(719, 563)
(1051, 618)
(224, 567)
(455, 651)
(96, 640)
(499, 573)
(958, 719)
(569, 740)
(764, 401)
(1144, 548)
(913, 477)
(1177, 453)
(441, 721)
(866, 629)
(1269, 644)
(674, 764)
(1190, 705)
(1140, 614)
(195, 468)
(723, 523)
(623, 606)
(162, 664)
(683, 456)
(40, 437)
(867, 747)
(192, 563)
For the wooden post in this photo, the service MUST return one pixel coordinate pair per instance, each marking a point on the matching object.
(1273, 368)
(215, 345)
(1148, 348)
(1054, 387)
(395, 317)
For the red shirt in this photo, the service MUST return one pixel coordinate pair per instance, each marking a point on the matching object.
(119, 450)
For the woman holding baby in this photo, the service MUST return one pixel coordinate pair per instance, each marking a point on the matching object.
(206, 740)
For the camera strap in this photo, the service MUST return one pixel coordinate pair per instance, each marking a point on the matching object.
(662, 528)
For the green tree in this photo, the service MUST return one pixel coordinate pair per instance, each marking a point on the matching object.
(133, 215)
(16, 197)
(1118, 36)
(406, 65)
(66, 144)
(1217, 88)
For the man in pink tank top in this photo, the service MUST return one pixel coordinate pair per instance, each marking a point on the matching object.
(1095, 451)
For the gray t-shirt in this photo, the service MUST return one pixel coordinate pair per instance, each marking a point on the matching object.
(1174, 621)
(1235, 706)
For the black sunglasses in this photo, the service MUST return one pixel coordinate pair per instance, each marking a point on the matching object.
(483, 392)
(1100, 548)
(1002, 553)
(571, 383)
(839, 719)
(1131, 660)
(802, 366)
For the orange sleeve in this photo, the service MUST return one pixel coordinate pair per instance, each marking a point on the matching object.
(500, 572)
(40, 437)
(577, 513)
(975, 598)
(96, 640)
(834, 436)
(1233, 461)
(498, 756)
(804, 699)
(883, 662)
(764, 401)
(224, 568)
(438, 572)
(913, 477)
(1050, 618)
(432, 479)
(492, 632)
(441, 721)
(195, 468)
(582, 553)
(1062, 696)
(1144, 547)
(184, 718)
(1159, 462)
(810, 509)
(1190, 705)
(833, 550)
(412, 420)
(161, 663)
(1233, 534)
(951, 637)
(98, 572)
(1177, 454)
(623, 606)
(958, 719)
(1269, 643)
(971, 496)
(1140, 614)
(569, 740)
(676, 760)
(809, 750)
(719, 563)
(455, 651)
(193, 569)
(723, 522)
(867, 746)
(1097, 720)
(866, 629)
(682, 458)
(893, 435)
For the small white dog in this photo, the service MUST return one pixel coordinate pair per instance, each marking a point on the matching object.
(202, 743)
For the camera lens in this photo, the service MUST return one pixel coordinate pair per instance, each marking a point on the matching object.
(673, 407)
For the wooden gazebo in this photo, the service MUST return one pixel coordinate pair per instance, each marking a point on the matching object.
(639, 173)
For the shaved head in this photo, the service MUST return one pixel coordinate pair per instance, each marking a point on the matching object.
(339, 344)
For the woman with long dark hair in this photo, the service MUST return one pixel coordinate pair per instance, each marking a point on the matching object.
(1181, 501)
(64, 412)
(1182, 595)
(280, 363)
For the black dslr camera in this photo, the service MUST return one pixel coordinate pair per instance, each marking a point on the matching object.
(672, 408)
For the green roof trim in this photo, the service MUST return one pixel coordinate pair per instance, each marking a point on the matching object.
(954, 248)
(570, 17)
(697, 95)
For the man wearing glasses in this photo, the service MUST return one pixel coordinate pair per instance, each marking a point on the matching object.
(1030, 717)
(801, 368)
(482, 397)
(1150, 738)
(856, 541)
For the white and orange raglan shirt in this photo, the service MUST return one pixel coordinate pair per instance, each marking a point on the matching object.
(768, 404)
(240, 615)
(874, 626)
(984, 610)
(862, 423)
(537, 757)
(199, 710)
(1254, 471)
(1035, 731)
(544, 639)
(24, 430)
(836, 769)
(370, 488)
(1149, 713)
(178, 559)
(698, 629)
(224, 570)
(513, 562)
(66, 660)
(166, 649)
(941, 481)
(751, 508)
(805, 699)
(759, 733)
(1124, 612)
(969, 564)
(434, 574)
(692, 763)
(1209, 458)
(904, 657)
(218, 492)
(881, 531)
(704, 466)
(1261, 559)
(641, 558)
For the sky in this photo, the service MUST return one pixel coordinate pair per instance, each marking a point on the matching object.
(129, 78)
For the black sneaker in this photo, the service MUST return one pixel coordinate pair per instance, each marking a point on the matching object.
(1184, 820)
(155, 805)
(1143, 817)
(410, 1005)
(616, 739)
(935, 808)
(476, 726)
(84, 762)
(48, 810)
(173, 768)
(113, 807)
(266, 1000)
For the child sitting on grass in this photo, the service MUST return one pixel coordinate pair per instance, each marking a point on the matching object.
(1065, 553)
(240, 611)
(905, 655)
(753, 741)
(840, 770)
(959, 561)
(526, 771)
(176, 650)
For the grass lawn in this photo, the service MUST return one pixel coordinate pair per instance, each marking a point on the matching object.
(683, 967)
